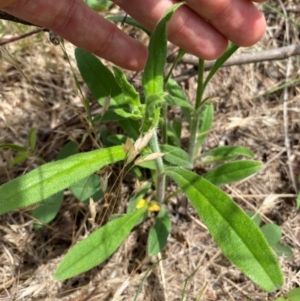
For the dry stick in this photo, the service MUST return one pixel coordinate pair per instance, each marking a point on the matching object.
(245, 58)
(54, 39)
(13, 39)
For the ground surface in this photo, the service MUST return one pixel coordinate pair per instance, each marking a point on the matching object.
(46, 98)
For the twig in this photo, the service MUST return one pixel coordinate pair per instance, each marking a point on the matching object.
(25, 35)
(54, 38)
(245, 58)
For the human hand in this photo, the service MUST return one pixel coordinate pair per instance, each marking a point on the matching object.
(202, 27)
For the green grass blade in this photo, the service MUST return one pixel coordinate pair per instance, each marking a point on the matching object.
(50, 178)
(238, 237)
(98, 246)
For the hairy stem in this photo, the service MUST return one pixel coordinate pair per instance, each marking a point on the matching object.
(160, 177)
(196, 116)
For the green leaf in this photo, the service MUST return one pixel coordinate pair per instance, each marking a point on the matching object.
(117, 139)
(282, 250)
(132, 127)
(53, 177)
(153, 76)
(281, 299)
(206, 121)
(102, 84)
(136, 198)
(98, 246)
(176, 156)
(32, 137)
(272, 233)
(294, 295)
(174, 132)
(175, 91)
(19, 158)
(176, 101)
(48, 209)
(159, 233)
(98, 5)
(238, 237)
(87, 188)
(14, 147)
(298, 201)
(254, 217)
(232, 172)
(223, 153)
(98, 78)
(132, 97)
(177, 126)
(125, 114)
(219, 62)
(71, 148)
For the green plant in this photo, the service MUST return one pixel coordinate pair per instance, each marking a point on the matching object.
(25, 152)
(272, 233)
(140, 115)
(293, 295)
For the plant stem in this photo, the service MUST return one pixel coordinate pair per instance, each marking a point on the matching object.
(164, 124)
(196, 116)
(160, 177)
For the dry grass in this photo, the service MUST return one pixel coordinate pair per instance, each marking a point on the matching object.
(49, 101)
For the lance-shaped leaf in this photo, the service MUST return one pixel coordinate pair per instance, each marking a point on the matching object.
(223, 153)
(232, 172)
(175, 91)
(153, 76)
(50, 178)
(206, 121)
(176, 156)
(103, 84)
(98, 246)
(132, 97)
(159, 233)
(219, 62)
(99, 78)
(238, 237)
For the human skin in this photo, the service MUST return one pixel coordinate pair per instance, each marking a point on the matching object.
(201, 27)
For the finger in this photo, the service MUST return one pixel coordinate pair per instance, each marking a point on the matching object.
(5, 3)
(186, 29)
(239, 20)
(77, 23)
